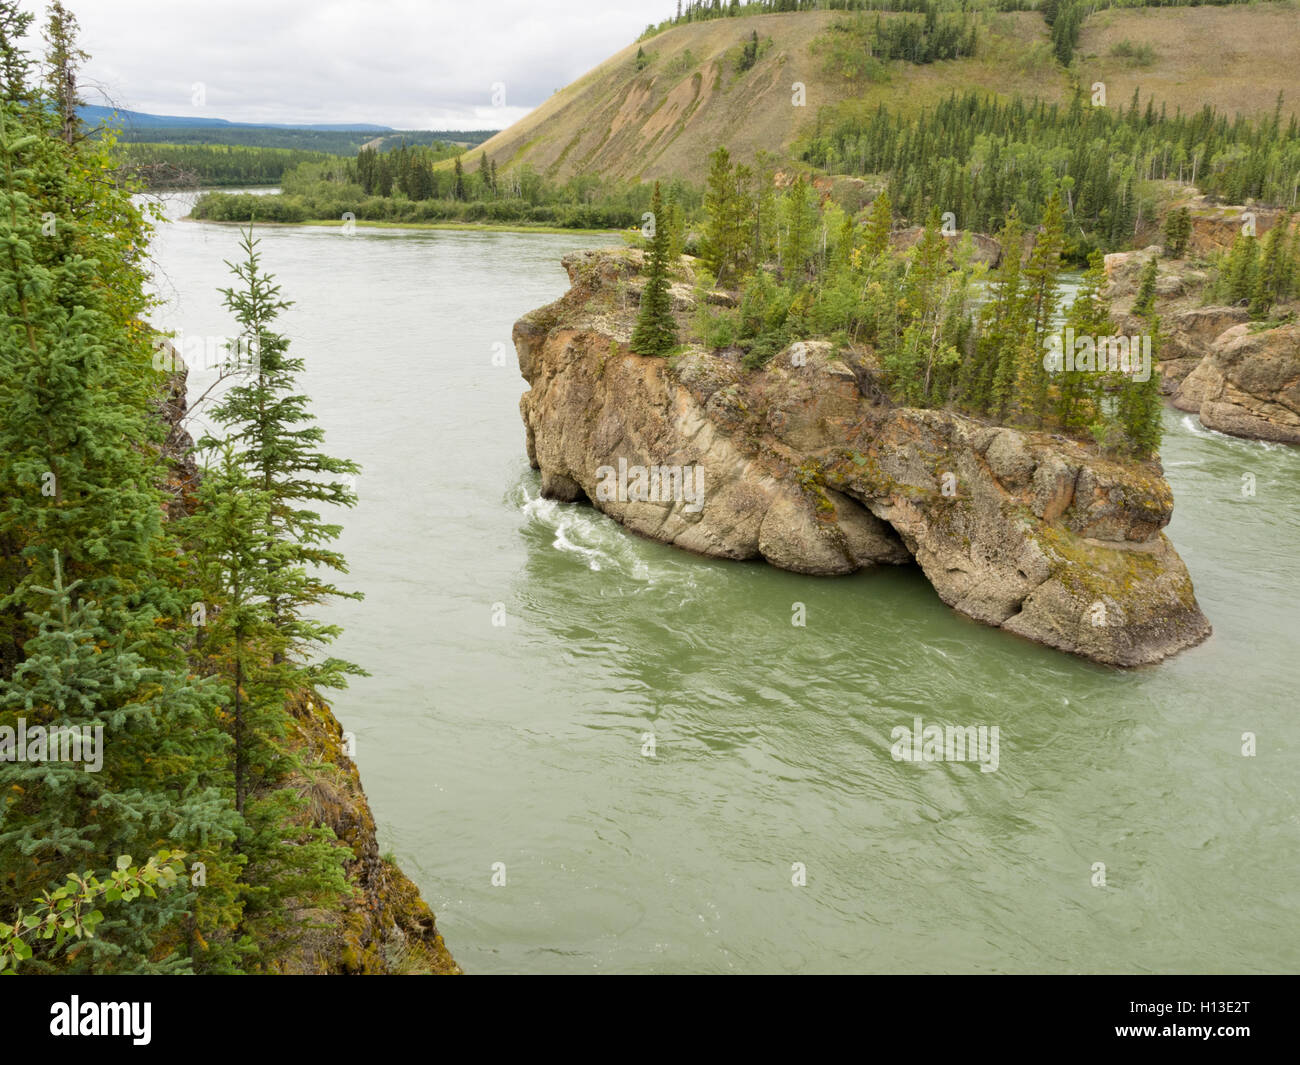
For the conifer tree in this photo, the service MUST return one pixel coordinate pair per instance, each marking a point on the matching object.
(78, 446)
(799, 227)
(276, 441)
(656, 329)
(1272, 281)
(880, 223)
(1042, 299)
(15, 64)
(1145, 300)
(63, 60)
(1178, 230)
(157, 783)
(1241, 272)
(1077, 397)
(1140, 408)
(915, 362)
(1002, 328)
(246, 576)
(727, 208)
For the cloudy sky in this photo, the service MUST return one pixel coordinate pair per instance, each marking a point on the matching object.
(410, 64)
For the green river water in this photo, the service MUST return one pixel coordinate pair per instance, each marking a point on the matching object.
(522, 744)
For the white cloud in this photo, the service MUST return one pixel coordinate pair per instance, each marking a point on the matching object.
(411, 64)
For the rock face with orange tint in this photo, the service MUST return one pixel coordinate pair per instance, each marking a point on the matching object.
(806, 464)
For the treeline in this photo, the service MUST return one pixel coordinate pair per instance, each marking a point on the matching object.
(1260, 274)
(164, 625)
(186, 165)
(413, 171)
(330, 142)
(706, 10)
(978, 158)
(855, 48)
(804, 268)
(413, 185)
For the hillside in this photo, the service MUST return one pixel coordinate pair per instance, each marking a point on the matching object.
(661, 115)
(665, 118)
(1236, 59)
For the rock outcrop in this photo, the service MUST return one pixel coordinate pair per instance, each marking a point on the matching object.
(1187, 337)
(1237, 376)
(1248, 384)
(807, 464)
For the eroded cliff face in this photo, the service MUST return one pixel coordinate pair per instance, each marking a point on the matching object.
(806, 464)
(386, 928)
(1248, 384)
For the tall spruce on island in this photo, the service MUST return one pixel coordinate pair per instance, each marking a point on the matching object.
(656, 329)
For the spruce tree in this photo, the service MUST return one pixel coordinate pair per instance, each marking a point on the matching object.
(727, 209)
(1241, 272)
(880, 223)
(1272, 279)
(15, 64)
(63, 60)
(799, 218)
(79, 444)
(1077, 394)
(246, 578)
(656, 329)
(1002, 329)
(1145, 300)
(1140, 407)
(157, 785)
(1178, 229)
(1042, 299)
(276, 441)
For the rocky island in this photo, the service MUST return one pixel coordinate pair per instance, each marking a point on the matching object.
(808, 465)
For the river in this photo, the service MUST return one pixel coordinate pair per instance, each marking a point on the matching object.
(523, 743)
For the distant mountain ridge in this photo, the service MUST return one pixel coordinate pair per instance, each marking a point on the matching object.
(336, 138)
(95, 115)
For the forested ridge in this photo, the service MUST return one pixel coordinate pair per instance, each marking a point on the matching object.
(162, 166)
(978, 157)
